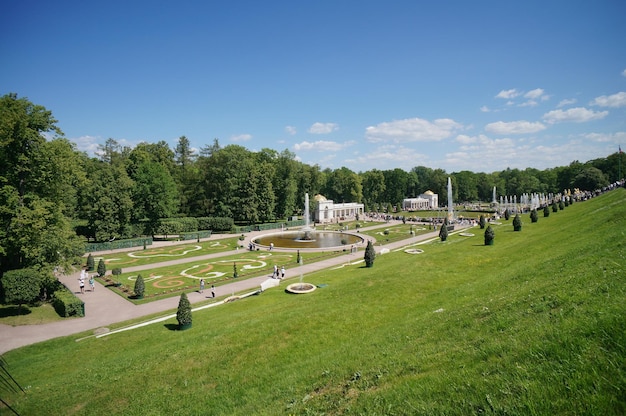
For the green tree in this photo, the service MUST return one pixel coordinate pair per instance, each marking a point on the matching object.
(443, 232)
(140, 287)
(154, 194)
(589, 179)
(20, 286)
(517, 223)
(490, 235)
(370, 254)
(481, 221)
(37, 179)
(102, 268)
(183, 314)
(373, 185)
(90, 263)
(533, 216)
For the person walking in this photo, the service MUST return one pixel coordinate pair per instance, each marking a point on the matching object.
(213, 291)
(282, 272)
(92, 283)
(201, 285)
(81, 283)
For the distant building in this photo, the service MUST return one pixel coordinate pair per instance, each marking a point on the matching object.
(327, 211)
(426, 201)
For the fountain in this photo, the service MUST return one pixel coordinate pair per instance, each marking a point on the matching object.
(307, 237)
(300, 287)
(494, 200)
(450, 207)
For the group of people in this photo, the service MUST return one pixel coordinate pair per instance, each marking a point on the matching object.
(81, 281)
(278, 273)
(202, 288)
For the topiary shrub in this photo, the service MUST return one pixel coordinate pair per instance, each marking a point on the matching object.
(102, 268)
(561, 205)
(235, 274)
(533, 216)
(555, 207)
(370, 255)
(517, 223)
(183, 314)
(490, 235)
(507, 214)
(443, 232)
(90, 263)
(482, 222)
(140, 287)
(546, 211)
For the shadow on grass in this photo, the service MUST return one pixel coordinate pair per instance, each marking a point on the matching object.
(13, 310)
(171, 327)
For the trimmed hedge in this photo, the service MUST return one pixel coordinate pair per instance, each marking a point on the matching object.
(66, 304)
(112, 245)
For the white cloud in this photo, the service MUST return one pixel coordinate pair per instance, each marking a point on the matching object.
(514, 127)
(323, 128)
(508, 94)
(412, 130)
(290, 130)
(615, 100)
(534, 94)
(87, 144)
(484, 109)
(322, 146)
(576, 115)
(617, 138)
(529, 103)
(389, 157)
(624, 73)
(567, 101)
(241, 138)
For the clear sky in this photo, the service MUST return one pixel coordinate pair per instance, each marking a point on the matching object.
(457, 85)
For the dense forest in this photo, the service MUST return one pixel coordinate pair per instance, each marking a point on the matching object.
(48, 187)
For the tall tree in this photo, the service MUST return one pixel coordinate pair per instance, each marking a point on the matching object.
(35, 175)
(154, 194)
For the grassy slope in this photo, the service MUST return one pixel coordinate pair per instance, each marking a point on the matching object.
(532, 325)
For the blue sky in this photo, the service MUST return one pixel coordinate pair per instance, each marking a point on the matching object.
(457, 85)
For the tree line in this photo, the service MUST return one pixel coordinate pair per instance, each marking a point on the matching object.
(48, 188)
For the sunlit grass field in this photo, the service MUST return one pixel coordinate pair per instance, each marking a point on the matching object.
(533, 325)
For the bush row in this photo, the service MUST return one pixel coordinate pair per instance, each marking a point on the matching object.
(115, 244)
(66, 304)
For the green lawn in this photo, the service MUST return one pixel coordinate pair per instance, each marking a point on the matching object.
(533, 325)
(171, 280)
(150, 255)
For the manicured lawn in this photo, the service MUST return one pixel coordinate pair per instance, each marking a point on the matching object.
(171, 280)
(534, 324)
(150, 255)
(28, 315)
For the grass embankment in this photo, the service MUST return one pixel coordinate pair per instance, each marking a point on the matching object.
(532, 325)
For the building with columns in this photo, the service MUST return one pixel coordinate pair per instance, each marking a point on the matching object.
(327, 211)
(426, 201)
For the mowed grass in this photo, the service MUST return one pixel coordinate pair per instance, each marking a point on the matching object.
(170, 280)
(532, 325)
(141, 257)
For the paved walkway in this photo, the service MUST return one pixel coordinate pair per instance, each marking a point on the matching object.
(103, 307)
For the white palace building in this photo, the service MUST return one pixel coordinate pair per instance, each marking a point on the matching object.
(327, 211)
(426, 201)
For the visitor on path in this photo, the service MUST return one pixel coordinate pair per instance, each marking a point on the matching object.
(92, 283)
(212, 291)
(282, 272)
(81, 283)
(201, 285)
(275, 274)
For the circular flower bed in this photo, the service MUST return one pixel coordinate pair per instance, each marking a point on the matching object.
(413, 251)
(299, 288)
(467, 234)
